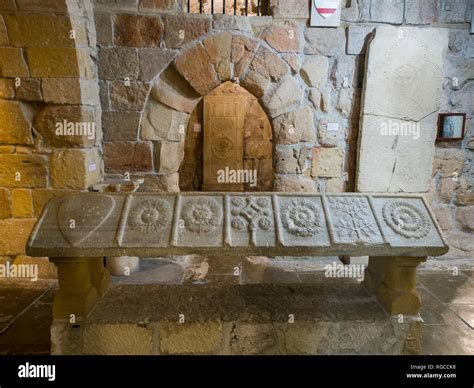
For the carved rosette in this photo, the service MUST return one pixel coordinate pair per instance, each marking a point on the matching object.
(149, 216)
(406, 219)
(202, 215)
(301, 218)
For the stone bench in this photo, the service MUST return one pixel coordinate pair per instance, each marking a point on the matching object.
(76, 232)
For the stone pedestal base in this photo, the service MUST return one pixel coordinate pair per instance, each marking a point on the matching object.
(393, 281)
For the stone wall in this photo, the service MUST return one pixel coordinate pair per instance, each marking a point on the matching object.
(48, 75)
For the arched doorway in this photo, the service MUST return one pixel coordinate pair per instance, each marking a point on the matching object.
(228, 144)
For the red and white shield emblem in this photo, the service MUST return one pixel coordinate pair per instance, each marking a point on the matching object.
(326, 8)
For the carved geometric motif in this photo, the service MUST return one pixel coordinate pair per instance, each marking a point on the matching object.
(149, 216)
(406, 220)
(202, 215)
(301, 218)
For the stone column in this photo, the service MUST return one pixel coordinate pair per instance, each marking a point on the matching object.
(100, 277)
(76, 295)
(393, 281)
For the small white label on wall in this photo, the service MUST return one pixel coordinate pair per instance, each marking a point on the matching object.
(92, 167)
(332, 127)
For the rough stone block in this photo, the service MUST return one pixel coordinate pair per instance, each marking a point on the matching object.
(196, 67)
(15, 234)
(327, 162)
(453, 11)
(103, 27)
(387, 11)
(219, 49)
(49, 6)
(230, 22)
(161, 183)
(295, 127)
(4, 40)
(128, 97)
(158, 6)
(7, 88)
(288, 94)
(190, 338)
(325, 41)
(297, 9)
(243, 51)
(294, 183)
(137, 31)
(5, 204)
(169, 157)
(70, 91)
(42, 196)
(15, 123)
(12, 63)
(22, 203)
(152, 61)
(357, 37)
(29, 90)
(118, 63)
(69, 125)
(181, 30)
(121, 157)
(75, 168)
(421, 12)
(315, 71)
(117, 339)
(120, 126)
(252, 338)
(444, 216)
(163, 123)
(60, 62)
(465, 216)
(284, 38)
(23, 170)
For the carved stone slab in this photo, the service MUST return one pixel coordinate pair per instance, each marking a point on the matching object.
(274, 224)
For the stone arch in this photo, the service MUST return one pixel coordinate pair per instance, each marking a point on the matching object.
(199, 69)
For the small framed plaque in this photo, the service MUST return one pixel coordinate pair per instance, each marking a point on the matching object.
(451, 126)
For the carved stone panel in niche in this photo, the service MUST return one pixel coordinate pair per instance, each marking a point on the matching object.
(302, 221)
(252, 221)
(352, 221)
(200, 221)
(147, 221)
(405, 221)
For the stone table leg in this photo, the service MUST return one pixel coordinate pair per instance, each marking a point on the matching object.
(100, 276)
(393, 281)
(76, 294)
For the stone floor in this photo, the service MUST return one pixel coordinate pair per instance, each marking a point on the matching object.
(332, 316)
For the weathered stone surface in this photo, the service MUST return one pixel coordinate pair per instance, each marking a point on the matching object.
(103, 27)
(398, 132)
(117, 339)
(288, 94)
(7, 88)
(161, 183)
(190, 338)
(230, 22)
(327, 162)
(124, 157)
(120, 126)
(48, 6)
(75, 168)
(181, 30)
(315, 71)
(172, 90)
(163, 123)
(285, 38)
(292, 160)
(158, 6)
(448, 162)
(15, 233)
(417, 12)
(444, 216)
(325, 41)
(70, 91)
(22, 203)
(243, 51)
(265, 68)
(81, 119)
(315, 98)
(118, 63)
(342, 74)
(23, 171)
(169, 156)
(15, 123)
(219, 49)
(465, 216)
(44, 30)
(357, 37)
(388, 11)
(29, 90)
(42, 196)
(60, 62)
(335, 185)
(248, 338)
(289, 9)
(330, 138)
(5, 204)
(196, 67)
(138, 31)
(127, 97)
(293, 61)
(295, 127)
(153, 61)
(4, 41)
(453, 11)
(294, 183)
(12, 63)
